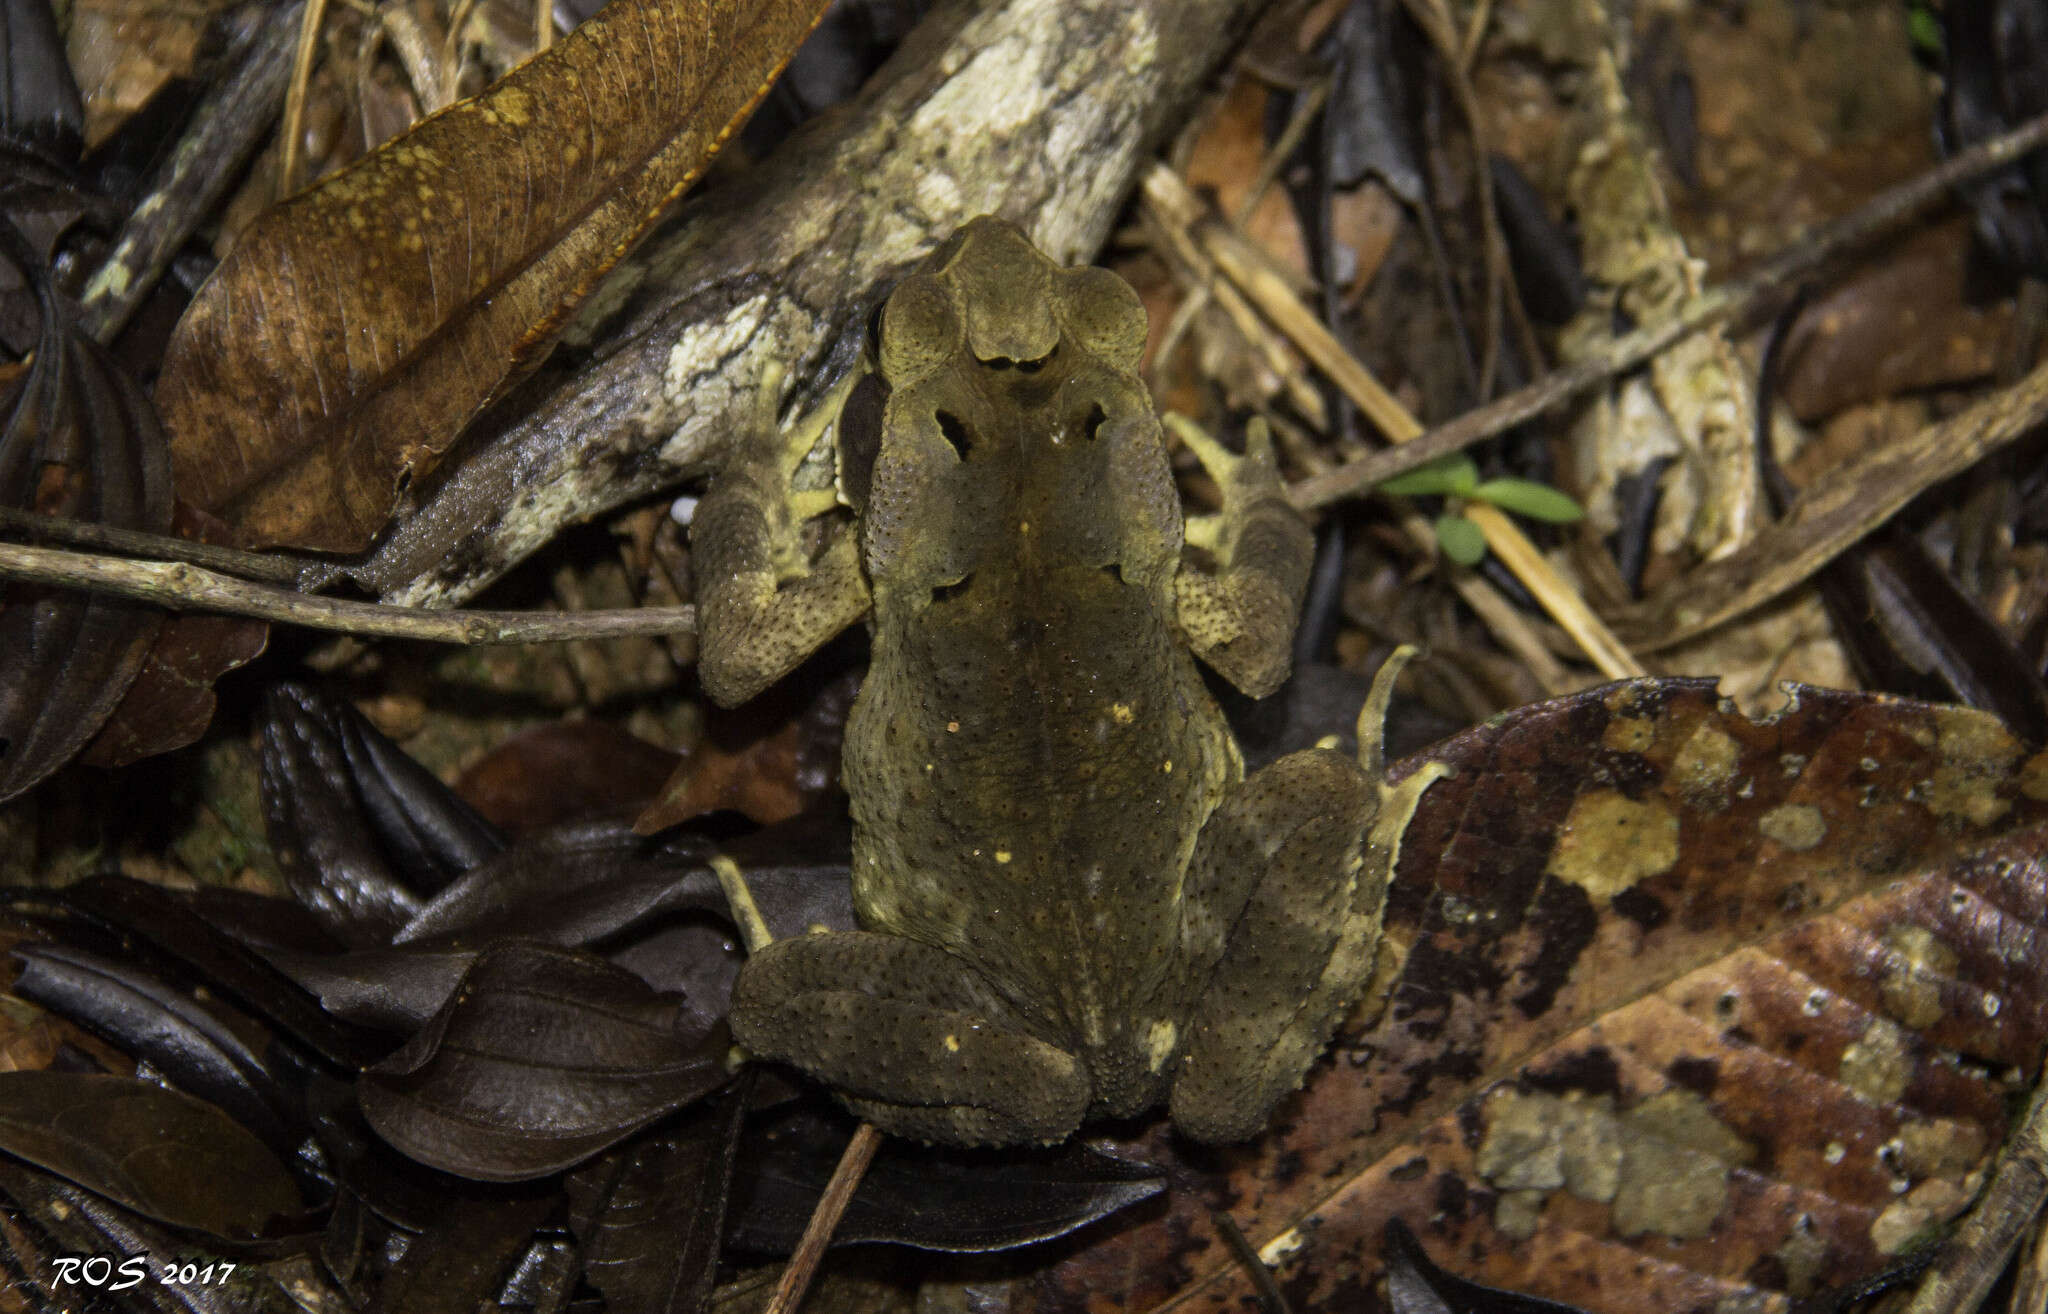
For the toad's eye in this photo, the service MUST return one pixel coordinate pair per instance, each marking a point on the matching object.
(956, 433)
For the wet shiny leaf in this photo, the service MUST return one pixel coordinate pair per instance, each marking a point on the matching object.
(167, 1028)
(156, 927)
(651, 1214)
(80, 440)
(925, 1196)
(361, 831)
(544, 1057)
(166, 1155)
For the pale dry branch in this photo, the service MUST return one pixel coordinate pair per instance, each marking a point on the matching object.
(180, 586)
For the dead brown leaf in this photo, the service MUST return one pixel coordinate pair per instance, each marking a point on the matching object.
(171, 701)
(565, 771)
(355, 329)
(1689, 1013)
(768, 760)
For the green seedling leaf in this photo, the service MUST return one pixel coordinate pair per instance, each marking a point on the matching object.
(1536, 501)
(1461, 540)
(1453, 476)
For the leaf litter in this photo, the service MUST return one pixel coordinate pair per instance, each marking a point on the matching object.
(1651, 1040)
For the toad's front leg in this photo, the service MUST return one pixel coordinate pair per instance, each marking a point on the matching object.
(1239, 616)
(915, 1041)
(763, 604)
(1285, 894)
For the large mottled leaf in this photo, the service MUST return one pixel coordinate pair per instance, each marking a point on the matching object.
(544, 1057)
(1687, 1012)
(922, 1195)
(166, 1155)
(1415, 1285)
(651, 1214)
(353, 330)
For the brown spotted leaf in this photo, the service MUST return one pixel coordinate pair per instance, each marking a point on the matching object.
(354, 329)
(1688, 1013)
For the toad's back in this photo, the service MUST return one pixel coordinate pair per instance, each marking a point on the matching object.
(1033, 751)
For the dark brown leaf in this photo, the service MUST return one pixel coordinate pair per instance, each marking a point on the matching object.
(770, 759)
(651, 1214)
(173, 1032)
(171, 701)
(158, 930)
(355, 329)
(53, 1218)
(81, 441)
(463, 1258)
(922, 1195)
(544, 1057)
(360, 830)
(565, 771)
(579, 885)
(1687, 1012)
(166, 1155)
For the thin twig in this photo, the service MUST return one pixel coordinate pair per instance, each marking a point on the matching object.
(294, 129)
(1974, 1257)
(1742, 298)
(182, 587)
(1203, 277)
(185, 187)
(1833, 512)
(1563, 601)
(1240, 263)
(1475, 32)
(853, 1165)
(1283, 149)
(853, 1161)
(1271, 1299)
(270, 567)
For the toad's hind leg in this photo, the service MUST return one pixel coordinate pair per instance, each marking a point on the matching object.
(915, 1041)
(763, 604)
(1316, 836)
